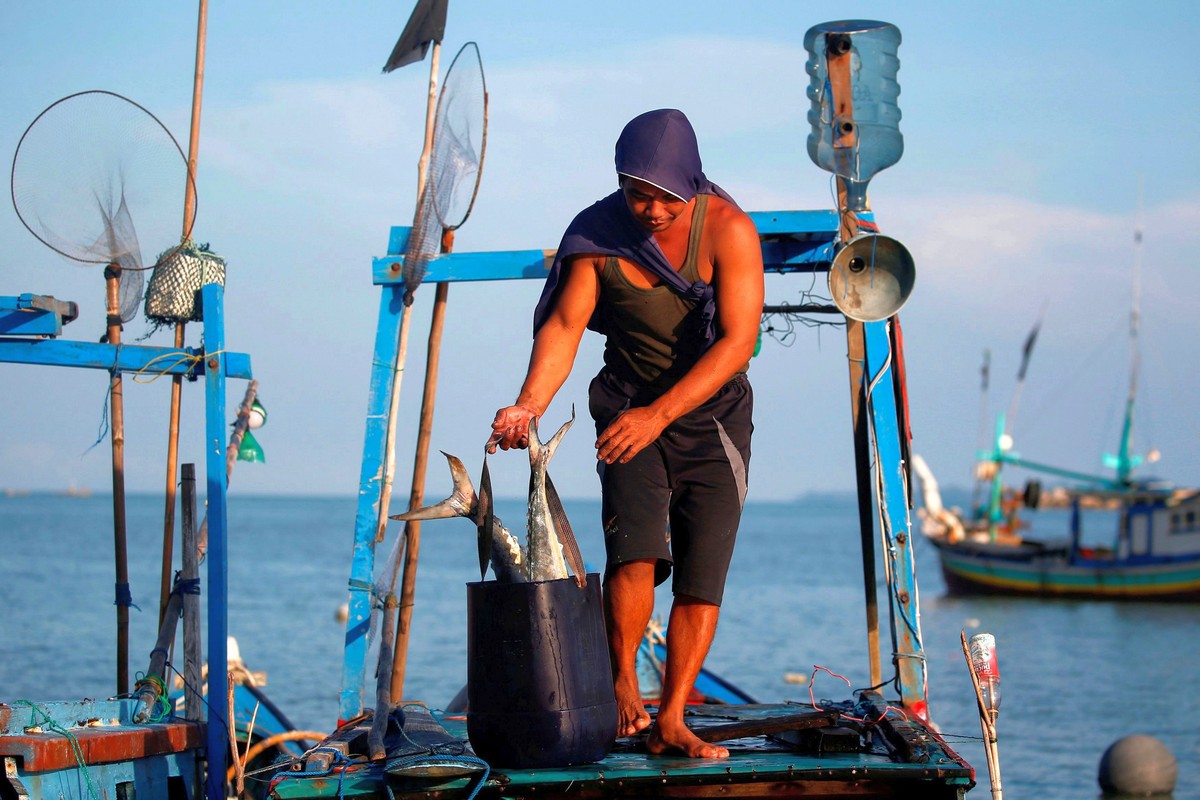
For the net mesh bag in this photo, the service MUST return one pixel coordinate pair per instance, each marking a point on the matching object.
(179, 275)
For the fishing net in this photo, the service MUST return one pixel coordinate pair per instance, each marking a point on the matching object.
(97, 177)
(459, 138)
(455, 165)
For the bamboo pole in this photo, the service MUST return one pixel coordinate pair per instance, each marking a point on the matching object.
(148, 691)
(383, 694)
(412, 529)
(112, 279)
(987, 722)
(189, 213)
(231, 453)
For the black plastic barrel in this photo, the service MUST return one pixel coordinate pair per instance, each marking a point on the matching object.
(539, 682)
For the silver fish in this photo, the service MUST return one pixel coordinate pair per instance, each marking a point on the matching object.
(550, 537)
(544, 550)
(506, 555)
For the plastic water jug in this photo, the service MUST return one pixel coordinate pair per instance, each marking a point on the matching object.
(876, 142)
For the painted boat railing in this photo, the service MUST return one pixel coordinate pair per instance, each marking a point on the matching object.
(216, 365)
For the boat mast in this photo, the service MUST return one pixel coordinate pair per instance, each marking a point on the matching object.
(1125, 459)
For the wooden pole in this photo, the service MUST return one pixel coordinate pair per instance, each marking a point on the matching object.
(856, 359)
(192, 657)
(112, 279)
(987, 722)
(412, 529)
(189, 213)
(231, 453)
(838, 63)
(383, 696)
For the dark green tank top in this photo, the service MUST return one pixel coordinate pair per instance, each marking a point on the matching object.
(645, 326)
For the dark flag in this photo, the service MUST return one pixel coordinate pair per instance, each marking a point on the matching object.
(987, 364)
(1028, 349)
(426, 24)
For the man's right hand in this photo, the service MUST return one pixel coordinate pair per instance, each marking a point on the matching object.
(510, 428)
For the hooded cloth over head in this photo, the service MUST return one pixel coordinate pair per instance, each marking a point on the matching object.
(660, 148)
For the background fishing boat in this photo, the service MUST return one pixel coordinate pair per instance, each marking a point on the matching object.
(1125, 537)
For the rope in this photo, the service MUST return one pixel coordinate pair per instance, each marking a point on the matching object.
(271, 741)
(186, 586)
(114, 372)
(161, 708)
(338, 758)
(48, 723)
(124, 597)
(181, 357)
(451, 754)
(435, 759)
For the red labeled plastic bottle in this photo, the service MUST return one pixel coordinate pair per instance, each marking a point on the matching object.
(982, 648)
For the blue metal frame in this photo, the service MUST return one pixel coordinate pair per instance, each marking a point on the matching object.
(18, 315)
(792, 241)
(892, 474)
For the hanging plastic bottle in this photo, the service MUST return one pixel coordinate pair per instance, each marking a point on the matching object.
(857, 145)
(983, 662)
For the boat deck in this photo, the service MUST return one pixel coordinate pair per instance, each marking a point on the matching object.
(890, 757)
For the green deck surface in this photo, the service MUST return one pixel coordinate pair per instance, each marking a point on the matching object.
(757, 766)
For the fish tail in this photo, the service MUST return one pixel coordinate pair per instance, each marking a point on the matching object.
(461, 502)
(552, 445)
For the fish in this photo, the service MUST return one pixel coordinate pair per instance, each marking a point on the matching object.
(505, 553)
(544, 550)
(550, 543)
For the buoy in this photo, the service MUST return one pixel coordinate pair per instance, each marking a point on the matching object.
(1138, 764)
(343, 612)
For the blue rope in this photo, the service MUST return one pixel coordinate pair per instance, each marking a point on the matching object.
(434, 758)
(338, 758)
(124, 597)
(114, 371)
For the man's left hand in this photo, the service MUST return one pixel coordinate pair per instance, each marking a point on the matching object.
(628, 435)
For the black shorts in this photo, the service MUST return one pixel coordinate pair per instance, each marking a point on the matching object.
(678, 501)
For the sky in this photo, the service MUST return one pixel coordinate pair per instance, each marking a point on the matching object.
(1031, 130)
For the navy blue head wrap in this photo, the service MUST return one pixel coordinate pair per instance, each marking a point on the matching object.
(658, 147)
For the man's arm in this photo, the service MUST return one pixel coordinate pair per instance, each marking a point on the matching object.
(553, 354)
(738, 285)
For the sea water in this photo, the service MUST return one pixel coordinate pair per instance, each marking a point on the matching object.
(1077, 675)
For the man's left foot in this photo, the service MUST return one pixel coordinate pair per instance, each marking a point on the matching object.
(682, 740)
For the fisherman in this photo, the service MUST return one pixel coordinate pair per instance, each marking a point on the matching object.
(670, 270)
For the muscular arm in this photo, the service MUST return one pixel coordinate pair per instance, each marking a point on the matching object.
(738, 284)
(553, 355)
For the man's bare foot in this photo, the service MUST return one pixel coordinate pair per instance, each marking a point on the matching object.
(632, 717)
(682, 740)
